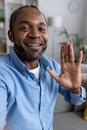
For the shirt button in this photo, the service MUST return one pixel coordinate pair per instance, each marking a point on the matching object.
(44, 123)
(42, 93)
(42, 108)
(34, 79)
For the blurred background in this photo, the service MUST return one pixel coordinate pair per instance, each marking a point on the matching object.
(72, 16)
(67, 21)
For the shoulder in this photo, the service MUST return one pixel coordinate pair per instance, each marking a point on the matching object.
(5, 63)
(4, 59)
(6, 78)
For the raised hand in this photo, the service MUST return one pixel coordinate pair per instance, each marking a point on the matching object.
(70, 71)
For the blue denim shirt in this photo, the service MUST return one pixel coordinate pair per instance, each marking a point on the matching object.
(27, 103)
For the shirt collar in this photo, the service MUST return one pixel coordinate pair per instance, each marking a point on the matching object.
(22, 67)
(17, 62)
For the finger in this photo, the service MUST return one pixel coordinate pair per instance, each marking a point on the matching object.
(54, 75)
(62, 54)
(80, 56)
(67, 51)
(71, 54)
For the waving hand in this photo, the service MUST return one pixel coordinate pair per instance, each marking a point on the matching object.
(70, 71)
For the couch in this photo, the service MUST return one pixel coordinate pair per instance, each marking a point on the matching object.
(67, 116)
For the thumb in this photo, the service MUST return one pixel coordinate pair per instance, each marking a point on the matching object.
(54, 75)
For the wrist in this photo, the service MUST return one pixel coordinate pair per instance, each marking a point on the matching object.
(76, 90)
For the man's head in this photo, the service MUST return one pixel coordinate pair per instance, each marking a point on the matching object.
(28, 31)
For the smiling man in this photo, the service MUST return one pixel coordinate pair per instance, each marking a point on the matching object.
(29, 80)
(28, 32)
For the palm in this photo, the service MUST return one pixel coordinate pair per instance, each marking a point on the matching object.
(70, 76)
(70, 71)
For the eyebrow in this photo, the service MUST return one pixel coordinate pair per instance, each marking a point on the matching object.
(27, 22)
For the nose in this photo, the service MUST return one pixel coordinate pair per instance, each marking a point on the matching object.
(34, 33)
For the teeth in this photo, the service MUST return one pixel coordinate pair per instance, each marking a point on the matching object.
(33, 44)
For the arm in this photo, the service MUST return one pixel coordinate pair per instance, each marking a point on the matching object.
(3, 104)
(70, 76)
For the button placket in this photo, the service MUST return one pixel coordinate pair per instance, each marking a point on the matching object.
(42, 99)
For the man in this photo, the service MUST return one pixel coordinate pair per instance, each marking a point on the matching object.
(29, 80)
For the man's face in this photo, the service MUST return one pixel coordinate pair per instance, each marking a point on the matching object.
(29, 34)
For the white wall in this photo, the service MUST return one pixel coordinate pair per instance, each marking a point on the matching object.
(73, 21)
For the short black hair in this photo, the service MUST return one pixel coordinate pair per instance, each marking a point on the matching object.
(15, 14)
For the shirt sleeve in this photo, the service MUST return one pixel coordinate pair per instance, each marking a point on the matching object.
(3, 104)
(78, 99)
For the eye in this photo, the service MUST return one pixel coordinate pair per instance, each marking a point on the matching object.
(42, 29)
(24, 28)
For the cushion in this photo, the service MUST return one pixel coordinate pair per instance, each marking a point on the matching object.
(62, 105)
(69, 121)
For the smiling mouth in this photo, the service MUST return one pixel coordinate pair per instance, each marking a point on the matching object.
(33, 45)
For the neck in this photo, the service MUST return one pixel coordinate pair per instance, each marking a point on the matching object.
(31, 65)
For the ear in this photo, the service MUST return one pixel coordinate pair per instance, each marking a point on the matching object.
(10, 35)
